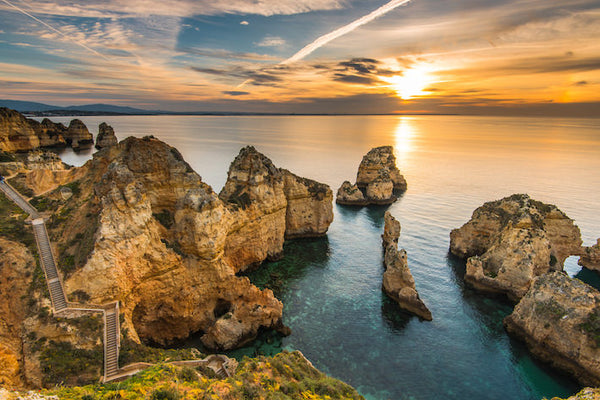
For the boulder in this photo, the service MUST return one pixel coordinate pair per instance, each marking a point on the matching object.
(106, 136)
(351, 195)
(509, 242)
(559, 320)
(398, 282)
(590, 257)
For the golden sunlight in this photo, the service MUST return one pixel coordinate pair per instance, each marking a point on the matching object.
(410, 84)
(404, 137)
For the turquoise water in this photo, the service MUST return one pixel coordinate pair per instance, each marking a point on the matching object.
(331, 287)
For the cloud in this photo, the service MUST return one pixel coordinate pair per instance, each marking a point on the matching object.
(361, 80)
(244, 23)
(271, 41)
(581, 83)
(226, 54)
(235, 93)
(178, 8)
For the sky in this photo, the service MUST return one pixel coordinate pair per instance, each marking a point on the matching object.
(493, 57)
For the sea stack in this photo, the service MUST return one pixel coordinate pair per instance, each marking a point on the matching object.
(508, 242)
(590, 257)
(377, 182)
(106, 136)
(559, 320)
(78, 135)
(398, 282)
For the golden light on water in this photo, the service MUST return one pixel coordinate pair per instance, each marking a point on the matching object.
(411, 83)
(404, 137)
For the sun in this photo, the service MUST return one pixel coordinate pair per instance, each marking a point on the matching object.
(410, 84)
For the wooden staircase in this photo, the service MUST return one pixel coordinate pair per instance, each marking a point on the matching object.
(112, 335)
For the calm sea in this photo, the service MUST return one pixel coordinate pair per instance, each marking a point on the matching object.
(331, 287)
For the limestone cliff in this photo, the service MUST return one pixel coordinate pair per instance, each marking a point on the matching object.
(509, 242)
(377, 182)
(106, 136)
(267, 205)
(559, 319)
(19, 134)
(590, 257)
(398, 282)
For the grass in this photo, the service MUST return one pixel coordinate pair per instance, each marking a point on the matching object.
(285, 376)
(12, 223)
(18, 182)
(61, 362)
(132, 352)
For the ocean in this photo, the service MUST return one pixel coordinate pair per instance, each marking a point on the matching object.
(331, 286)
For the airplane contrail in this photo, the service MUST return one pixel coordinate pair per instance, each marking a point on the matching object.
(54, 29)
(323, 40)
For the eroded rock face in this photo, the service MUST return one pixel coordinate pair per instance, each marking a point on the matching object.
(376, 161)
(267, 205)
(398, 282)
(349, 194)
(78, 135)
(590, 257)
(15, 132)
(20, 134)
(377, 180)
(559, 319)
(511, 241)
(106, 136)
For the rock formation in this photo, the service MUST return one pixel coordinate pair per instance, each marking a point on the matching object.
(398, 282)
(138, 225)
(78, 135)
(590, 257)
(20, 134)
(559, 319)
(106, 136)
(509, 242)
(377, 180)
(268, 205)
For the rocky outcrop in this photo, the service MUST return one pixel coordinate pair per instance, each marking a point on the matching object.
(590, 257)
(398, 282)
(559, 319)
(509, 242)
(584, 394)
(16, 134)
(78, 136)
(106, 136)
(20, 134)
(377, 182)
(267, 205)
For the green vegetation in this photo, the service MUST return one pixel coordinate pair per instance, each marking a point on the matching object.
(592, 326)
(18, 182)
(44, 203)
(61, 362)
(550, 309)
(12, 223)
(6, 157)
(132, 352)
(285, 376)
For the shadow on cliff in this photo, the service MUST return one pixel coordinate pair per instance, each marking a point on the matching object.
(299, 256)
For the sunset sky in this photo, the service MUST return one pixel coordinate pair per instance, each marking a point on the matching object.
(432, 56)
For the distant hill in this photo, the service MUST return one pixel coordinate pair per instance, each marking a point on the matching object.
(47, 109)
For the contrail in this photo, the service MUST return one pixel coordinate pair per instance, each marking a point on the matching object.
(54, 29)
(323, 40)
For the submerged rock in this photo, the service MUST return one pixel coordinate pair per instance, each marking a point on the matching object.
(377, 180)
(398, 282)
(559, 320)
(590, 257)
(509, 242)
(106, 136)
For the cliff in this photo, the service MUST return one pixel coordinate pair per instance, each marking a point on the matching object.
(590, 257)
(378, 180)
(106, 136)
(559, 320)
(20, 134)
(509, 242)
(398, 282)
